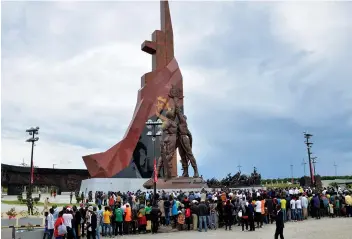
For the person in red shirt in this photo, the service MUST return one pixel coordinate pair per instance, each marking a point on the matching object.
(59, 221)
(111, 201)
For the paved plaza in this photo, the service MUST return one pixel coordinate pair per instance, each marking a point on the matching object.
(337, 228)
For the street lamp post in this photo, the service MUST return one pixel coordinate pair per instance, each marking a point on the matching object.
(154, 128)
(32, 132)
(304, 167)
(314, 161)
(335, 165)
(309, 145)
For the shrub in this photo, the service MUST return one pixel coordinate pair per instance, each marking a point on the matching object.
(78, 199)
(36, 200)
(20, 198)
(11, 213)
(36, 211)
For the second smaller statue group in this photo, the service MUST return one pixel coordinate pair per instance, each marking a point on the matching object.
(176, 135)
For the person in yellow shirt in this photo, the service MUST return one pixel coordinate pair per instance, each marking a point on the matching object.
(106, 222)
(348, 200)
(283, 207)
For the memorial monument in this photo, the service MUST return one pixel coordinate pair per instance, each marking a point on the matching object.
(176, 135)
(237, 180)
(132, 157)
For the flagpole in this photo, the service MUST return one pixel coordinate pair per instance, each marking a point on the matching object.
(151, 125)
(155, 173)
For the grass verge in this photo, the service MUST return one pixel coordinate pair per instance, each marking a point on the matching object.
(16, 202)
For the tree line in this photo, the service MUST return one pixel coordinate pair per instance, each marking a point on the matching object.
(275, 180)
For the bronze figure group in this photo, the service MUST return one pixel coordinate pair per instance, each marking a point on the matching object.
(176, 135)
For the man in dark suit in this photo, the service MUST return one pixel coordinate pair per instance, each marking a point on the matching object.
(279, 223)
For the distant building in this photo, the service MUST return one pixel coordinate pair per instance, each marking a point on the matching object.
(16, 178)
(340, 182)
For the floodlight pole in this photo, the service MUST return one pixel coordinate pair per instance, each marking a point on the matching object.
(335, 165)
(304, 167)
(153, 133)
(309, 145)
(31, 170)
(32, 131)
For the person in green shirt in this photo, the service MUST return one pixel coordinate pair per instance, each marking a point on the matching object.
(118, 219)
(337, 207)
(142, 221)
(148, 209)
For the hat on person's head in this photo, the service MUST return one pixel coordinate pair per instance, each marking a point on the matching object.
(90, 208)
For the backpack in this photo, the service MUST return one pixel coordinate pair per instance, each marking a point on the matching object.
(188, 212)
(61, 229)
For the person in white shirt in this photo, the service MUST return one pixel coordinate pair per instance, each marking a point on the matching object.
(258, 212)
(293, 209)
(51, 222)
(299, 209)
(67, 216)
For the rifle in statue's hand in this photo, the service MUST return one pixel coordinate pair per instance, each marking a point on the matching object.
(190, 138)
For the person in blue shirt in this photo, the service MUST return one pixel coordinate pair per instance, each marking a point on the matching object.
(174, 212)
(250, 215)
(56, 212)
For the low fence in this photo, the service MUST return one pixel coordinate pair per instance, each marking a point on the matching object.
(21, 234)
(22, 222)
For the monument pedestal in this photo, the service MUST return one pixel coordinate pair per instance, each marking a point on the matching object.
(112, 184)
(177, 183)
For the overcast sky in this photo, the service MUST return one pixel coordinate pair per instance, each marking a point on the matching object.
(256, 75)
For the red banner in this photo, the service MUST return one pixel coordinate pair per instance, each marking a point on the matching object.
(155, 173)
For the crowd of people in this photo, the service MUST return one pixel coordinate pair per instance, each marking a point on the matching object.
(116, 213)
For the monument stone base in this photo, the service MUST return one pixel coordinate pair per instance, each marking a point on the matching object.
(177, 183)
(112, 184)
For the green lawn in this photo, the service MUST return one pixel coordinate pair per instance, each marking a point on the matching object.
(16, 202)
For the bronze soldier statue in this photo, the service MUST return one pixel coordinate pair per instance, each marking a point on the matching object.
(184, 144)
(161, 159)
(168, 144)
(176, 136)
